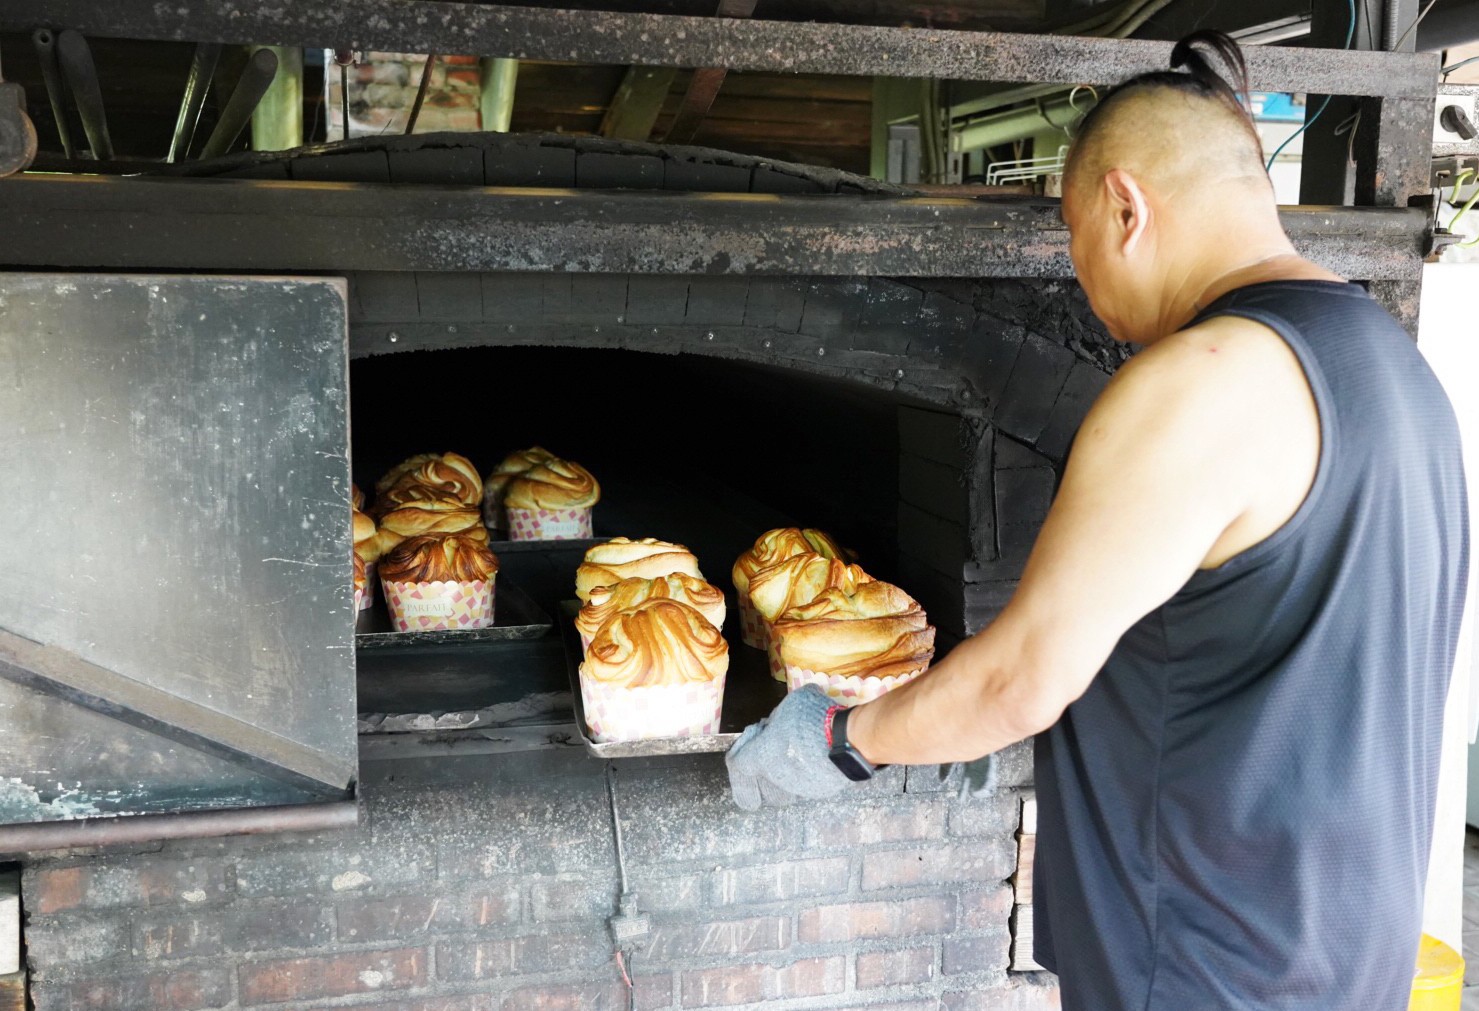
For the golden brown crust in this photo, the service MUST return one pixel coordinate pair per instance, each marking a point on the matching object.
(660, 642)
(452, 558)
(450, 474)
(867, 600)
(356, 497)
(554, 484)
(414, 521)
(866, 647)
(359, 572)
(798, 580)
(620, 558)
(606, 601)
(776, 546)
(363, 528)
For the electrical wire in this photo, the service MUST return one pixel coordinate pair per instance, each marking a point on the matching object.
(1350, 34)
(1132, 24)
(1455, 66)
(1413, 27)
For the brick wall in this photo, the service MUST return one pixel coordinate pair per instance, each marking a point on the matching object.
(485, 881)
(382, 89)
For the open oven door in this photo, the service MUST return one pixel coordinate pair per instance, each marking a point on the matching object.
(176, 614)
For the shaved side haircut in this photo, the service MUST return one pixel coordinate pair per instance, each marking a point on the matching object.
(1175, 128)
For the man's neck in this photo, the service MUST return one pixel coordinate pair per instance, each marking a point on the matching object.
(1271, 260)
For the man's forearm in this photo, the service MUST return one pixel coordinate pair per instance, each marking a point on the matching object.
(970, 704)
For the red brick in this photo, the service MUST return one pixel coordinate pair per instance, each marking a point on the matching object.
(851, 921)
(870, 825)
(722, 937)
(1015, 995)
(986, 907)
(175, 936)
(167, 991)
(287, 979)
(55, 889)
(985, 861)
(404, 917)
(782, 882)
(748, 984)
(465, 1002)
(976, 954)
(891, 968)
(509, 956)
(647, 991)
(107, 886)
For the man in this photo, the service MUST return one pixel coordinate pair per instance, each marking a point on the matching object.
(1234, 635)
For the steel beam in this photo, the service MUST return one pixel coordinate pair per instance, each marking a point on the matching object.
(672, 41)
(215, 224)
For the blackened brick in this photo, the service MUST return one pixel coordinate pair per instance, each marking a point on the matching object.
(511, 298)
(976, 953)
(924, 819)
(316, 871)
(989, 355)
(656, 298)
(149, 881)
(717, 301)
(263, 926)
(175, 935)
(776, 303)
(720, 938)
(705, 176)
(603, 170)
(77, 940)
(986, 860)
(647, 992)
(833, 308)
(1013, 455)
(597, 298)
(529, 165)
(405, 917)
(748, 984)
(890, 317)
(768, 180)
(513, 955)
(893, 968)
(573, 898)
(277, 980)
(853, 921)
(781, 882)
(660, 890)
(1038, 375)
(1078, 394)
(186, 990)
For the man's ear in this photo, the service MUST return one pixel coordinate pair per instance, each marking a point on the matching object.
(1131, 209)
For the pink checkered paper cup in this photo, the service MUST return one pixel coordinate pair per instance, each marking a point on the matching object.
(773, 654)
(614, 713)
(849, 691)
(367, 597)
(754, 630)
(359, 596)
(549, 524)
(424, 607)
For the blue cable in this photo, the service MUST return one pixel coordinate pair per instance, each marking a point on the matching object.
(1349, 35)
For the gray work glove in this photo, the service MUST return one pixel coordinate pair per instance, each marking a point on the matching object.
(784, 756)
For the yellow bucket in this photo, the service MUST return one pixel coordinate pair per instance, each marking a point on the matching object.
(1439, 983)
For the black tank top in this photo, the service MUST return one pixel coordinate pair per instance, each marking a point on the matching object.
(1237, 813)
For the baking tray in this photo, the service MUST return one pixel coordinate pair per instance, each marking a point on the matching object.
(515, 616)
(581, 544)
(750, 693)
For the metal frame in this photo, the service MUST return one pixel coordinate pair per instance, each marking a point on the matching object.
(259, 225)
(149, 828)
(661, 40)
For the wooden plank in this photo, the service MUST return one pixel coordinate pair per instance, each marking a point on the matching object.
(13, 992)
(65, 675)
(638, 100)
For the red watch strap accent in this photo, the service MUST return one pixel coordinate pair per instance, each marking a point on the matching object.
(827, 722)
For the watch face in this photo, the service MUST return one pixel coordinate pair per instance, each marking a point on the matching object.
(852, 764)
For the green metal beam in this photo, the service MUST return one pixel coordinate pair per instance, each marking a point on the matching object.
(277, 122)
(498, 77)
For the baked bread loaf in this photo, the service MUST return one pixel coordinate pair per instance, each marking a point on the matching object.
(660, 642)
(495, 485)
(777, 545)
(607, 601)
(448, 473)
(554, 484)
(894, 645)
(365, 545)
(798, 580)
(621, 558)
(453, 558)
(874, 599)
(356, 497)
(439, 515)
(360, 578)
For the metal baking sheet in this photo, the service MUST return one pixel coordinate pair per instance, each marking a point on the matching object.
(515, 616)
(581, 544)
(750, 693)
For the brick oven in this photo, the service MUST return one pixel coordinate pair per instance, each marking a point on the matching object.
(730, 343)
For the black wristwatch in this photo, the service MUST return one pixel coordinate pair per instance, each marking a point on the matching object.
(853, 765)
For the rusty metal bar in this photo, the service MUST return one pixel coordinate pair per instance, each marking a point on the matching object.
(65, 675)
(215, 224)
(704, 84)
(626, 39)
(16, 839)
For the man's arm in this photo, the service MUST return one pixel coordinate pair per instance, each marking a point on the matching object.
(1171, 456)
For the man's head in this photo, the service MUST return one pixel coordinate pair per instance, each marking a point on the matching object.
(1165, 182)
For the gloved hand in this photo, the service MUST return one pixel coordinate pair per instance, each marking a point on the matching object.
(784, 756)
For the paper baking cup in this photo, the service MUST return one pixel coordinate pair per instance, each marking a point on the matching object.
(614, 713)
(850, 691)
(367, 596)
(754, 630)
(773, 654)
(548, 524)
(423, 607)
(359, 601)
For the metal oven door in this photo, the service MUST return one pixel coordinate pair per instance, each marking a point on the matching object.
(176, 626)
